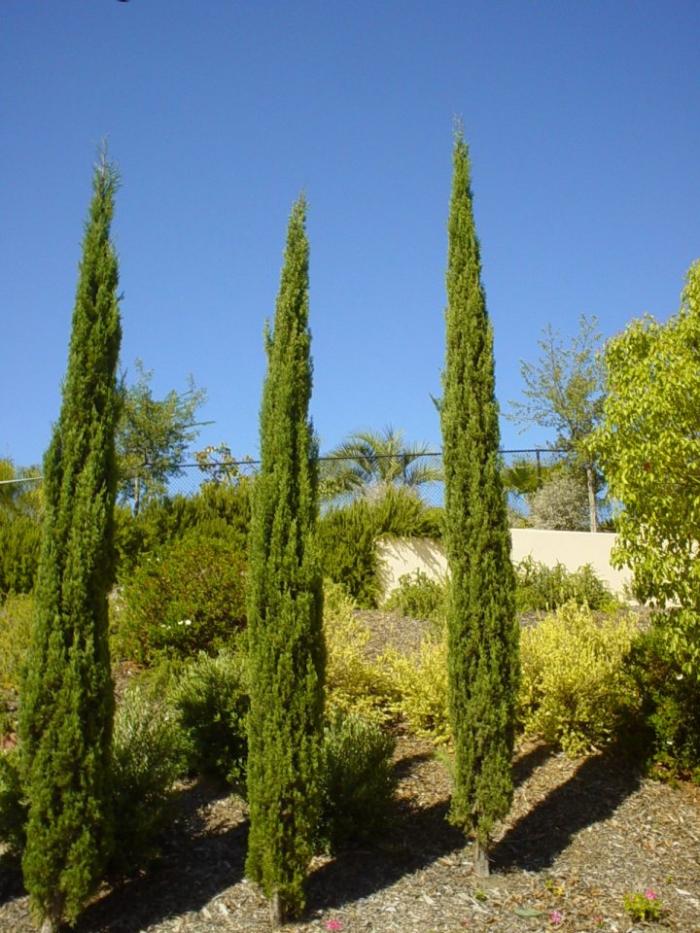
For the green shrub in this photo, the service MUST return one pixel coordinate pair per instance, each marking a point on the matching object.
(543, 589)
(16, 615)
(575, 689)
(354, 682)
(419, 681)
(13, 809)
(148, 755)
(220, 510)
(347, 540)
(188, 597)
(20, 540)
(211, 700)
(419, 597)
(667, 674)
(358, 780)
(348, 536)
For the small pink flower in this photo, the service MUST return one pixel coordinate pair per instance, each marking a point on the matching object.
(651, 894)
(334, 925)
(556, 917)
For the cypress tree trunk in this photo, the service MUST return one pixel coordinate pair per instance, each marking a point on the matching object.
(67, 699)
(482, 631)
(285, 605)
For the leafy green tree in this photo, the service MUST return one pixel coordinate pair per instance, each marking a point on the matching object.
(285, 604)
(369, 462)
(564, 391)
(649, 446)
(153, 436)
(66, 708)
(482, 630)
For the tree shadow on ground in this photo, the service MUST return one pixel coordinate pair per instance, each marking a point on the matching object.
(593, 793)
(11, 885)
(416, 839)
(526, 764)
(196, 864)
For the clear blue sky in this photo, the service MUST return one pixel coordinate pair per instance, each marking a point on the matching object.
(583, 121)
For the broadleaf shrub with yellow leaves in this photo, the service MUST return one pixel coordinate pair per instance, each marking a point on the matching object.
(575, 687)
(419, 681)
(354, 682)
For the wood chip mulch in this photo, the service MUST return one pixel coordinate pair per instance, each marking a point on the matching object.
(580, 834)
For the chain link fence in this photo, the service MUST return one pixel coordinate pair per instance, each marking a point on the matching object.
(526, 473)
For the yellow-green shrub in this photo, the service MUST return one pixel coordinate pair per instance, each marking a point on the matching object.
(574, 684)
(354, 682)
(15, 631)
(419, 681)
(16, 615)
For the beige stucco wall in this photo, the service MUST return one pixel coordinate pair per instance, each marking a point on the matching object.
(573, 549)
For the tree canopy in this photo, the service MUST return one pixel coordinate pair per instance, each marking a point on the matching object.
(649, 447)
(564, 391)
(153, 437)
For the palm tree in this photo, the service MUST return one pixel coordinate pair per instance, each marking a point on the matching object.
(369, 462)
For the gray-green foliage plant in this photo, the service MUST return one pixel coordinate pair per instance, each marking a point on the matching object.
(482, 630)
(358, 780)
(67, 699)
(149, 754)
(285, 604)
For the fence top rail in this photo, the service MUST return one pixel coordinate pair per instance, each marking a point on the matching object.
(248, 462)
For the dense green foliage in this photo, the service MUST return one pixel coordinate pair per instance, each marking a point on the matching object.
(285, 604)
(13, 808)
(348, 538)
(649, 446)
(189, 596)
(540, 588)
(21, 506)
(211, 699)
(418, 596)
(354, 682)
(670, 697)
(219, 510)
(67, 701)
(482, 630)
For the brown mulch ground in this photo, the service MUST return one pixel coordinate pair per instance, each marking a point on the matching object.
(579, 836)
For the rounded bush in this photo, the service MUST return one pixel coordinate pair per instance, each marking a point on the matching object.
(188, 597)
(357, 780)
(211, 700)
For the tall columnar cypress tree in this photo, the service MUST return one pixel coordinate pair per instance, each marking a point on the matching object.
(67, 699)
(285, 604)
(482, 631)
